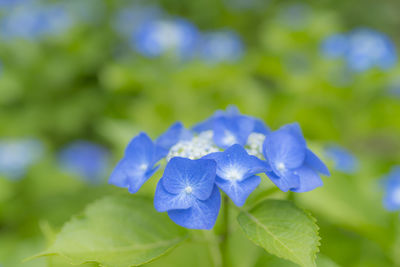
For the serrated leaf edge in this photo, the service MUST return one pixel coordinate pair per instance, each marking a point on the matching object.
(314, 220)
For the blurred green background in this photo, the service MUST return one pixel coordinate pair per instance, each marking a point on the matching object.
(78, 79)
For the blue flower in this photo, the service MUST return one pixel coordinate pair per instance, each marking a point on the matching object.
(391, 182)
(158, 37)
(188, 193)
(335, 46)
(17, 155)
(230, 127)
(173, 135)
(362, 49)
(221, 46)
(368, 48)
(344, 161)
(137, 165)
(236, 171)
(294, 166)
(30, 21)
(85, 159)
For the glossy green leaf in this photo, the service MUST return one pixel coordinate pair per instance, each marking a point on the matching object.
(283, 230)
(118, 231)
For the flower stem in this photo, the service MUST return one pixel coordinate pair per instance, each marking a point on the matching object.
(225, 233)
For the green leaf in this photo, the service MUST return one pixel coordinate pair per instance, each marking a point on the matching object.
(283, 230)
(117, 231)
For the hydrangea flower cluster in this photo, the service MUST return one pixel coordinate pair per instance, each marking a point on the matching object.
(154, 34)
(362, 49)
(391, 183)
(225, 152)
(17, 155)
(86, 160)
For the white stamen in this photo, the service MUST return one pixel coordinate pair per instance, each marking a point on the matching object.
(254, 144)
(196, 148)
(281, 166)
(229, 139)
(233, 175)
(143, 167)
(188, 190)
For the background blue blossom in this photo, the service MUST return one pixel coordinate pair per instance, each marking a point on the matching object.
(343, 159)
(17, 155)
(85, 159)
(362, 49)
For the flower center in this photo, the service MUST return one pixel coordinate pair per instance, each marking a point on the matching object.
(254, 145)
(143, 167)
(233, 175)
(281, 166)
(188, 190)
(196, 148)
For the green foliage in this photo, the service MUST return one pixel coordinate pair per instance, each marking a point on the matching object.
(283, 230)
(117, 231)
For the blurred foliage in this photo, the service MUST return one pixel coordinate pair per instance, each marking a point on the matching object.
(87, 83)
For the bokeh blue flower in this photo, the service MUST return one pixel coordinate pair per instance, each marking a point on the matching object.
(391, 183)
(30, 20)
(89, 161)
(344, 160)
(361, 49)
(162, 36)
(17, 155)
(226, 151)
(221, 46)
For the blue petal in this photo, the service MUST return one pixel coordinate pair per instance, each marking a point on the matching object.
(141, 149)
(199, 175)
(285, 148)
(285, 182)
(137, 166)
(173, 135)
(309, 180)
(232, 110)
(232, 130)
(202, 215)
(204, 125)
(208, 124)
(260, 127)
(295, 129)
(164, 201)
(238, 191)
(236, 164)
(314, 162)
